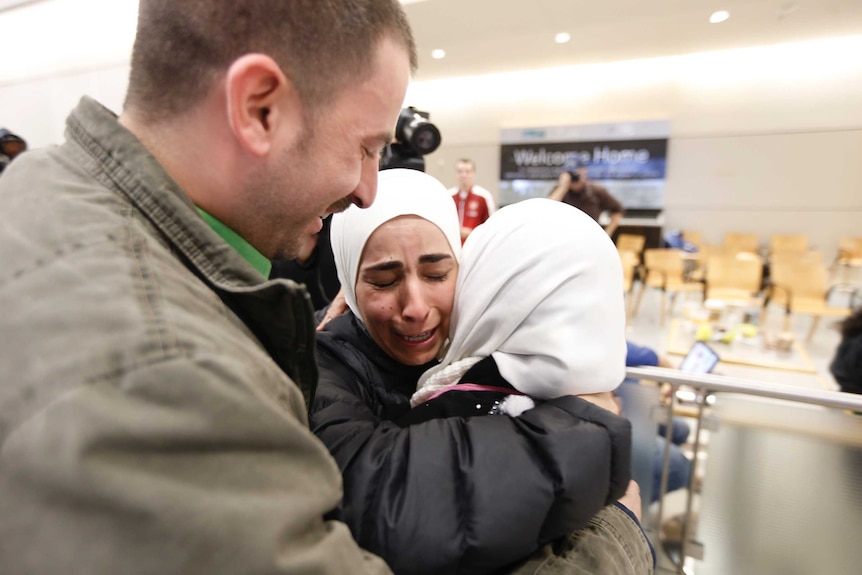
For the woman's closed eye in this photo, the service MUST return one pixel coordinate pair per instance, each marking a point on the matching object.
(381, 279)
(438, 277)
(438, 271)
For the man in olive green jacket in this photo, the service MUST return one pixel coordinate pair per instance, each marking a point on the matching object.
(152, 417)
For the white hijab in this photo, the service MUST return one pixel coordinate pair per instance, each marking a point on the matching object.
(400, 192)
(540, 287)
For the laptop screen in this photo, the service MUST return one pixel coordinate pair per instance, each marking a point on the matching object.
(700, 359)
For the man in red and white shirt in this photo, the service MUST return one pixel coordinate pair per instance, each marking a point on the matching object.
(475, 204)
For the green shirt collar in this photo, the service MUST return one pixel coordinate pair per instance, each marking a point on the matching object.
(257, 260)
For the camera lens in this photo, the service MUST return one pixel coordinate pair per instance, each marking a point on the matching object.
(421, 134)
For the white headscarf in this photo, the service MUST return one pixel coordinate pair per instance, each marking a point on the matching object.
(540, 287)
(400, 192)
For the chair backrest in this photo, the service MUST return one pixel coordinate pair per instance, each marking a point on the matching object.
(631, 242)
(793, 243)
(801, 278)
(695, 238)
(666, 260)
(707, 251)
(741, 242)
(791, 256)
(850, 248)
(630, 260)
(735, 273)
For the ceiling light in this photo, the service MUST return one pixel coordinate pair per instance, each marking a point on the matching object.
(718, 17)
(562, 37)
(438, 54)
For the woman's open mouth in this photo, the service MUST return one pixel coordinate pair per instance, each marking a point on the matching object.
(419, 338)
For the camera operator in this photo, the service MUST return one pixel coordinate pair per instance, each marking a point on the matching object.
(11, 145)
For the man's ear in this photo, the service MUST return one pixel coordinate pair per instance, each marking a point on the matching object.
(260, 100)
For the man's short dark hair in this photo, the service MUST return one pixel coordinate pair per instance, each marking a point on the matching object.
(183, 46)
(467, 161)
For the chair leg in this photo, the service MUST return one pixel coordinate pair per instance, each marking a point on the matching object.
(672, 302)
(663, 296)
(814, 321)
(630, 301)
(627, 301)
(638, 302)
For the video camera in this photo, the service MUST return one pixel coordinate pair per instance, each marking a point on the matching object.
(415, 136)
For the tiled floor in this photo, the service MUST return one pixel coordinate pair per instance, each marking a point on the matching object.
(780, 497)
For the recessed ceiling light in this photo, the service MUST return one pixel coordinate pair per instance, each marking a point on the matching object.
(438, 54)
(718, 17)
(562, 37)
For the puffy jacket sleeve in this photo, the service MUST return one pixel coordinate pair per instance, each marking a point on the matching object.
(467, 495)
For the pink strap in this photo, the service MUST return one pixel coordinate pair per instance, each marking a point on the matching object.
(475, 387)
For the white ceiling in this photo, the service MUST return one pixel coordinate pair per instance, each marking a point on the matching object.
(485, 36)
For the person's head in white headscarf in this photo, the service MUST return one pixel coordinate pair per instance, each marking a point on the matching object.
(540, 289)
(397, 262)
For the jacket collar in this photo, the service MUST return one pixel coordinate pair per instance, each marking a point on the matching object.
(400, 377)
(278, 312)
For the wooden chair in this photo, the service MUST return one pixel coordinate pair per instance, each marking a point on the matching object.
(632, 243)
(801, 287)
(781, 257)
(735, 278)
(740, 242)
(665, 269)
(850, 249)
(701, 259)
(695, 238)
(784, 243)
(849, 256)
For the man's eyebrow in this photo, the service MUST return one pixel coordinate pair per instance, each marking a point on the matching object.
(433, 258)
(384, 267)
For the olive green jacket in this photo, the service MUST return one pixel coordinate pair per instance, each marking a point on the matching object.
(148, 424)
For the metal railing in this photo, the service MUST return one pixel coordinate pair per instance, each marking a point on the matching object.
(705, 385)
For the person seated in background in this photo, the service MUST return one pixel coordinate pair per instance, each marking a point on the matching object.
(573, 188)
(846, 366)
(457, 494)
(679, 467)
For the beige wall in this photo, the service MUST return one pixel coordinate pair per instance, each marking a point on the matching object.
(766, 140)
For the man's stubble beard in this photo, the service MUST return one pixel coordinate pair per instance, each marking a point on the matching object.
(269, 191)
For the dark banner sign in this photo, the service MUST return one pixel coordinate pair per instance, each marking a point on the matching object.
(615, 160)
(628, 158)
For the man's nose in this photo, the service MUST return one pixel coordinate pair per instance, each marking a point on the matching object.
(366, 191)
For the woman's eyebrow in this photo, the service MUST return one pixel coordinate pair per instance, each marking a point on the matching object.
(433, 258)
(385, 266)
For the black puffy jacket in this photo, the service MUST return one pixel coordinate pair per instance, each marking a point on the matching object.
(457, 495)
(846, 366)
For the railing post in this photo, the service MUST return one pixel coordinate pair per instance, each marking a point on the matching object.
(701, 404)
